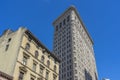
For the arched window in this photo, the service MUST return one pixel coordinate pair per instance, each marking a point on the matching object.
(48, 63)
(42, 59)
(55, 68)
(27, 47)
(9, 39)
(36, 54)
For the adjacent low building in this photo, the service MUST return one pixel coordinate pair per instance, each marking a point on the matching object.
(24, 57)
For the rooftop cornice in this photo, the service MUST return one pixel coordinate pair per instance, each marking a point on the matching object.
(4, 75)
(68, 9)
(41, 45)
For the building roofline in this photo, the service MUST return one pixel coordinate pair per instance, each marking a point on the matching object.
(39, 43)
(73, 8)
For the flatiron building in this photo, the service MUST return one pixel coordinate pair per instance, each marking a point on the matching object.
(74, 46)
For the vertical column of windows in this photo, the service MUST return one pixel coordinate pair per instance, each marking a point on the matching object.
(7, 46)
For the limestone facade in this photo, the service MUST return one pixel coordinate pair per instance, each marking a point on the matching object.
(24, 57)
(74, 46)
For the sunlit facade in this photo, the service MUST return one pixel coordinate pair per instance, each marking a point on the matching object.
(24, 57)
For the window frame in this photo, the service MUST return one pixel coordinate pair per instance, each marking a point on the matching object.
(36, 54)
(21, 76)
(27, 46)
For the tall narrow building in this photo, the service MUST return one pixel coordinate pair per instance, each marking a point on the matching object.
(73, 44)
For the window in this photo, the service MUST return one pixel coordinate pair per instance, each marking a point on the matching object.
(70, 78)
(75, 64)
(36, 54)
(55, 61)
(49, 56)
(57, 28)
(9, 39)
(32, 78)
(34, 66)
(48, 63)
(64, 22)
(76, 77)
(70, 66)
(27, 46)
(43, 50)
(54, 77)
(24, 60)
(75, 71)
(75, 59)
(60, 25)
(47, 75)
(55, 68)
(41, 69)
(21, 76)
(68, 18)
(7, 46)
(29, 38)
(42, 59)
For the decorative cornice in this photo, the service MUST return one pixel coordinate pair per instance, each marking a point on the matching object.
(41, 45)
(4, 75)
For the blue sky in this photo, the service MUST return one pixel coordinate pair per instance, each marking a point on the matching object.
(101, 17)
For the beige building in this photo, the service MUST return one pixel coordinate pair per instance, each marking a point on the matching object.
(24, 57)
(74, 45)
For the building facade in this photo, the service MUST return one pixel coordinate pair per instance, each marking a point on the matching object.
(74, 46)
(24, 57)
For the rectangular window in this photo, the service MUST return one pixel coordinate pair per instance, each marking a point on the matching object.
(47, 75)
(64, 22)
(21, 76)
(34, 66)
(60, 25)
(41, 69)
(68, 18)
(75, 71)
(33, 77)
(54, 77)
(57, 28)
(24, 60)
(7, 46)
(75, 64)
